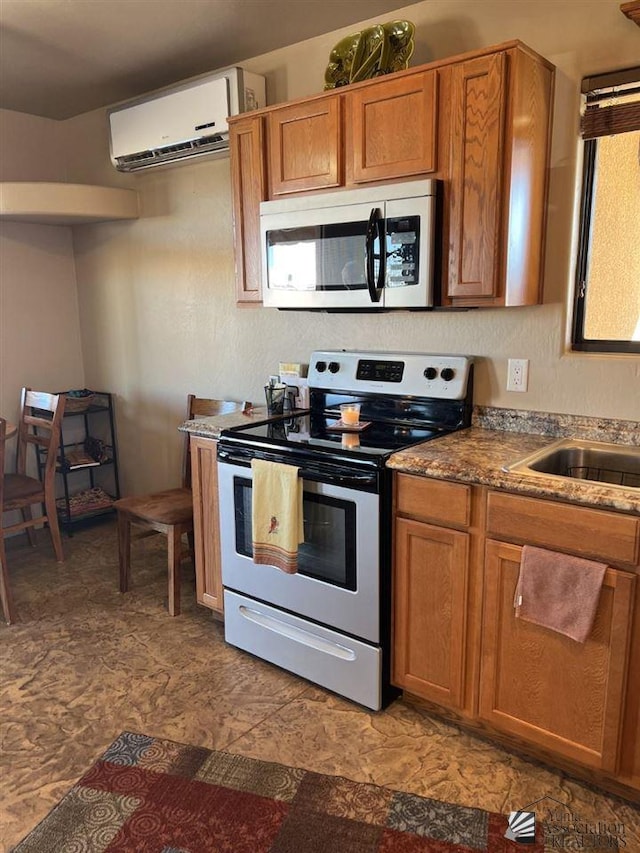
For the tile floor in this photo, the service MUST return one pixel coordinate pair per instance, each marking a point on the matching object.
(84, 663)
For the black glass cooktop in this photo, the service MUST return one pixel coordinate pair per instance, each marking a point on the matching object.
(314, 432)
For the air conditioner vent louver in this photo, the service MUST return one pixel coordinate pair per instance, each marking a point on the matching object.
(142, 159)
(168, 126)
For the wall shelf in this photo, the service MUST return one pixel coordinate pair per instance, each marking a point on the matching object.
(65, 204)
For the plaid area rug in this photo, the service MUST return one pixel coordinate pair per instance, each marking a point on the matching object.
(147, 795)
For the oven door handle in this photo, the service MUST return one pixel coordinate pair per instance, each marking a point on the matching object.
(233, 459)
(347, 479)
(350, 480)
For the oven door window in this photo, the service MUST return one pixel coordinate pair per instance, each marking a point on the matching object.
(329, 550)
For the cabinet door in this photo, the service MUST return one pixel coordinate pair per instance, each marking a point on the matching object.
(430, 611)
(305, 146)
(249, 185)
(476, 163)
(204, 485)
(539, 685)
(392, 127)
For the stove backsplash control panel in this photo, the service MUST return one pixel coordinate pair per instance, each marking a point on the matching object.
(444, 377)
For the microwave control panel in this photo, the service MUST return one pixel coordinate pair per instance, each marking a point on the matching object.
(403, 240)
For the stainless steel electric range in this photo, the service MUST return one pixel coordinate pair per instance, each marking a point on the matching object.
(331, 621)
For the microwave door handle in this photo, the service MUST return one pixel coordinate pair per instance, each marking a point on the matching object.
(374, 228)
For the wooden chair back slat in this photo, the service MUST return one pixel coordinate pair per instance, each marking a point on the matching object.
(40, 440)
(37, 422)
(48, 440)
(202, 407)
(40, 400)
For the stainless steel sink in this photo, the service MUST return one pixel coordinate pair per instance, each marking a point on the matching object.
(615, 465)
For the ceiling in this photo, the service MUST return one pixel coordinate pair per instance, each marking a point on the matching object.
(60, 58)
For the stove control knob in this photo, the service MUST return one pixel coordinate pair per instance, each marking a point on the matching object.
(430, 373)
(447, 373)
(334, 367)
(321, 366)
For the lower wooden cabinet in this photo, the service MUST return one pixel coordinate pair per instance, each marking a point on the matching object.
(539, 685)
(430, 594)
(458, 645)
(204, 486)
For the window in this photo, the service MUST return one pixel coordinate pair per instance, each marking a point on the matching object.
(606, 316)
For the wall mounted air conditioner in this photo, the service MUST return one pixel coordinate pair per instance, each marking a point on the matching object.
(185, 120)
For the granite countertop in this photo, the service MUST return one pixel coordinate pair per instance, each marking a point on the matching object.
(476, 455)
(211, 427)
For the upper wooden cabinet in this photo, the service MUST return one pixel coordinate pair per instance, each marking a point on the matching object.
(305, 146)
(391, 128)
(499, 151)
(476, 175)
(479, 123)
(249, 183)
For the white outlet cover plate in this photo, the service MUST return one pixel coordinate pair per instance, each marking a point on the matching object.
(518, 374)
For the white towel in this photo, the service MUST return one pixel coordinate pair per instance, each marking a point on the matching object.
(277, 515)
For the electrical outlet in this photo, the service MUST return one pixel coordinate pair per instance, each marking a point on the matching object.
(518, 374)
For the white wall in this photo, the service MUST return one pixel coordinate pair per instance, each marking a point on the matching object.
(32, 148)
(158, 317)
(40, 342)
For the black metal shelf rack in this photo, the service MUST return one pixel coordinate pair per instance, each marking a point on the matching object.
(87, 489)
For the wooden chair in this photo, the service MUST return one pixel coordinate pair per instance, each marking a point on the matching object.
(20, 491)
(5, 587)
(169, 512)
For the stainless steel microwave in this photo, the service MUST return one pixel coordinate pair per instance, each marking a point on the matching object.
(365, 248)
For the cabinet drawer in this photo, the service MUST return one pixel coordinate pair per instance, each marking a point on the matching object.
(433, 500)
(578, 530)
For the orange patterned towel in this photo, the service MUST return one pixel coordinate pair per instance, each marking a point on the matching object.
(276, 517)
(558, 591)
